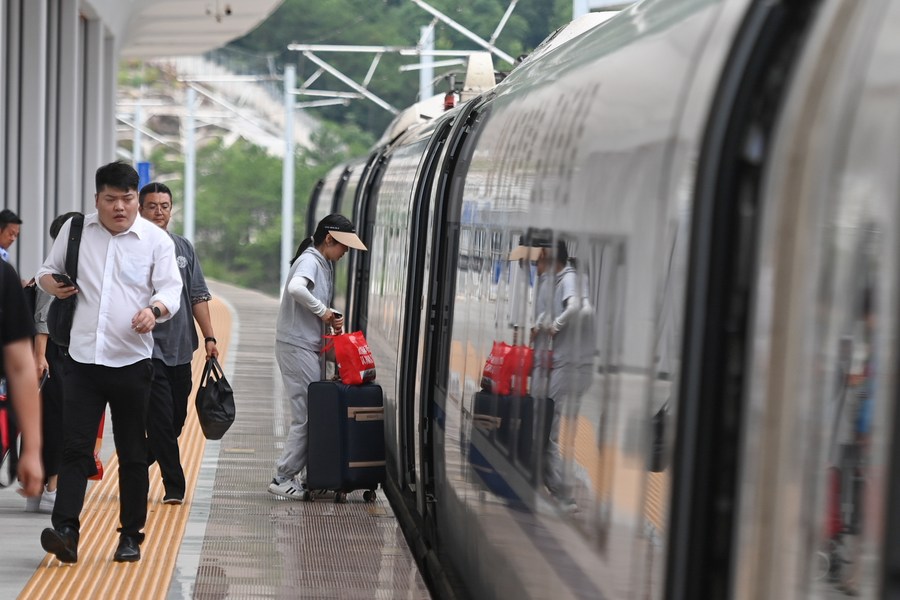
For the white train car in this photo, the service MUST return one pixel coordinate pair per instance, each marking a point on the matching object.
(714, 184)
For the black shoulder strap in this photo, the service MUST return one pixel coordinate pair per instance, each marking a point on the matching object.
(73, 246)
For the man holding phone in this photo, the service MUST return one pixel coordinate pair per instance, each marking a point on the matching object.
(174, 345)
(127, 282)
(64, 280)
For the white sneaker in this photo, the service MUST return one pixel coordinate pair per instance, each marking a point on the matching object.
(289, 488)
(33, 503)
(48, 501)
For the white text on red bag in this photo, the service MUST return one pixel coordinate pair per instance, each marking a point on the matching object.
(355, 362)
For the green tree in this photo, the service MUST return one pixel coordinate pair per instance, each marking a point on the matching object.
(238, 214)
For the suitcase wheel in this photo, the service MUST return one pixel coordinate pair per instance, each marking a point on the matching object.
(307, 496)
(369, 496)
(340, 497)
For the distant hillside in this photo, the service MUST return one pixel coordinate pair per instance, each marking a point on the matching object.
(392, 23)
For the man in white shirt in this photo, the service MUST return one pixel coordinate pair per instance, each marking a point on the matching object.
(127, 281)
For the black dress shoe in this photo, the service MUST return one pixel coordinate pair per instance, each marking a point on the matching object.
(128, 551)
(62, 543)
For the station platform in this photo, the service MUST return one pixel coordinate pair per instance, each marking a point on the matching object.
(231, 538)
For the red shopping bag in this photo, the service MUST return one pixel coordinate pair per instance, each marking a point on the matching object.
(354, 359)
(506, 369)
(97, 445)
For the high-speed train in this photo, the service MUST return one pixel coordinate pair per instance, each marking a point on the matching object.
(682, 224)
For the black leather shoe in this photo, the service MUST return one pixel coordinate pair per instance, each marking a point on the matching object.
(128, 551)
(174, 499)
(62, 543)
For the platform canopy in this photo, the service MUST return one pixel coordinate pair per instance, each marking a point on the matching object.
(157, 28)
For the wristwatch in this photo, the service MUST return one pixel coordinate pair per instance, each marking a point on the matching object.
(156, 312)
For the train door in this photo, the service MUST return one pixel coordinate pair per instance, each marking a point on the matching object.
(819, 489)
(418, 415)
(438, 277)
(727, 222)
(388, 295)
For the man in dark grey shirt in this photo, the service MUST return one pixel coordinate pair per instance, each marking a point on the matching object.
(174, 345)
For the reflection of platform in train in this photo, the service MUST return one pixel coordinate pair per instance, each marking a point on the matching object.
(592, 471)
(231, 538)
(609, 477)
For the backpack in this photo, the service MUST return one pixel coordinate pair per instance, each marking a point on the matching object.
(30, 290)
(62, 310)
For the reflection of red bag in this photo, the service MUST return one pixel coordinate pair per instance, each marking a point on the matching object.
(353, 357)
(506, 369)
(97, 446)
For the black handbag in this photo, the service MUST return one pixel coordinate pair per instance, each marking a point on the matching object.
(62, 310)
(658, 460)
(215, 401)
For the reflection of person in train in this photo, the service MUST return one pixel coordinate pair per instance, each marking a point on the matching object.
(856, 453)
(587, 328)
(555, 334)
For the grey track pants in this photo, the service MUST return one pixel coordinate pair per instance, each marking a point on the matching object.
(299, 367)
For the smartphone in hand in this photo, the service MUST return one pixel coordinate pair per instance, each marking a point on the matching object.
(63, 279)
(44, 377)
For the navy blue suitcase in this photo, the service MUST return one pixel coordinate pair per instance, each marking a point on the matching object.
(511, 424)
(346, 438)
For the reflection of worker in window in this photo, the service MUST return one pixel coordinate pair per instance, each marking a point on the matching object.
(557, 303)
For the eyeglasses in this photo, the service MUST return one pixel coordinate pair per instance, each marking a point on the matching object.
(153, 207)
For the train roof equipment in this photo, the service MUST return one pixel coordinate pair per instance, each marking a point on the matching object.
(479, 76)
(479, 79)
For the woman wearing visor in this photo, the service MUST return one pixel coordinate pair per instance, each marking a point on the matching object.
(304, 317)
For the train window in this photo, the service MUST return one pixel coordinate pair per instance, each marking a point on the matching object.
(547, 424)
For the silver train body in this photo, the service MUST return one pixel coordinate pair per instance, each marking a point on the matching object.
(723, 176)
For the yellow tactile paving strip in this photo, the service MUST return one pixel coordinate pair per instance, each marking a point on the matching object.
(95, 575)
(601, 464)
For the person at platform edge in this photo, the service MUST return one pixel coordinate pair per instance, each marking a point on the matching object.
(302, 320)
(127, 281)
(174, 345)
